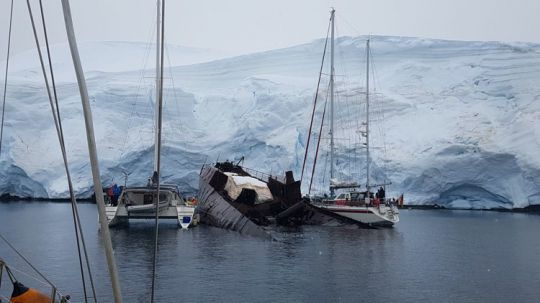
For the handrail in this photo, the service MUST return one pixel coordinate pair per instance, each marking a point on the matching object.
(261, 175)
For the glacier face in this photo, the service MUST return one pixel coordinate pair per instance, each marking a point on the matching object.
(454, 123)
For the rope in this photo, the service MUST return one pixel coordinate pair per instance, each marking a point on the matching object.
(26, 261)
(180, 125)
(10, 269)
(379, 104)
(318, 140)
(317, 150)
(30, 276)
(315, 102)
(58, 124)
(58, 130)
(134, 110)
(6, 76)
(62, 143)
(10, 275)
(1, 272)
(160, 109)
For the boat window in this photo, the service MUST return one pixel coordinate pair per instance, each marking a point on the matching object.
(355, 196)
(148, 198)
(342, 196)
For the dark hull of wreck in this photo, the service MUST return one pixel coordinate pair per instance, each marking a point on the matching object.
(215, 210)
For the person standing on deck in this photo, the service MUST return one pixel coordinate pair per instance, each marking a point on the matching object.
(116, 193)
(110, 194)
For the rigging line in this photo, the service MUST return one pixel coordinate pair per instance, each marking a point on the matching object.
(323, 181)
(133, 108)
(51, 68)
(327, 156)
(55, 123)
(133, 111)
(381, 108)
(160, 118)
(64, 156)
(40, 281)
(318, 144)
(89, 127)
(26, 261)
(2, 264)
(74, 207)
(174, 88)
(315, 102)
(6, 76)
(344, 123)
(316, 152)
(341, 17)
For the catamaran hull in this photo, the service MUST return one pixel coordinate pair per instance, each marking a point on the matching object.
(146, 209)
(185, 215)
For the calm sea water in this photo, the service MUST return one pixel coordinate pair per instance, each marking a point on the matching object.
(430, 256)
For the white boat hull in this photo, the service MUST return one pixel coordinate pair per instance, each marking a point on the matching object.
(184, 214)
(147, 208)
(382, 215)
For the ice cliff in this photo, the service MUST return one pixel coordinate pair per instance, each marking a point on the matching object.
(454, 123)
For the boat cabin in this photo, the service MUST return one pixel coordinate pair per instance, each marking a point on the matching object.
(352, 198)
(144, 195)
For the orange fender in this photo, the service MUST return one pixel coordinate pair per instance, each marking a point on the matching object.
(23, 294)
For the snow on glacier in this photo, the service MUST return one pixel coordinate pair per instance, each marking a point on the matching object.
(460, 121)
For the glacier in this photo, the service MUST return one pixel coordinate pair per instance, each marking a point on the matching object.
(456, 123)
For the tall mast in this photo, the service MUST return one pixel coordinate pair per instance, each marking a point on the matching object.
(332, 17)
(367, 115)
(158, 80)
(98, 190)
(159, 109)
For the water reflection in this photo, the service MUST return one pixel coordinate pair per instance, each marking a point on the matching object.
(429, 256)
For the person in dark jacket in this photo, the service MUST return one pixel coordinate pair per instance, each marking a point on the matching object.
(381, 193)
(116, 193)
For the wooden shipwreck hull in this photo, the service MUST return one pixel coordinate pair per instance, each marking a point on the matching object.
(242, 213)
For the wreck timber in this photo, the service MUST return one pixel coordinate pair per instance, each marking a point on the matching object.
(243, 209)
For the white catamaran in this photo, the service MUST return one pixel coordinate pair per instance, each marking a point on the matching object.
(140, 202)
(359, 206)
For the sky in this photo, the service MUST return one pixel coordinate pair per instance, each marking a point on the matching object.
(245, 26)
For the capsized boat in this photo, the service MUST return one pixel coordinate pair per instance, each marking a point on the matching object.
(250, 202)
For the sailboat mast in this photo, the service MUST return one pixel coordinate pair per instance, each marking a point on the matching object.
(367, 116)
(158, 80)
(332, 102)
(98, 190)
(157, 173)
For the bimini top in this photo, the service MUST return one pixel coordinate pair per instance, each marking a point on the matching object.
(168, 187)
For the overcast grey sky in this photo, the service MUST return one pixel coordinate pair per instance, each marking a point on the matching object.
(242, 26)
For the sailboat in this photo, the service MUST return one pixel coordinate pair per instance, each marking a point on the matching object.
(143, 202)
(361, 207)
